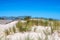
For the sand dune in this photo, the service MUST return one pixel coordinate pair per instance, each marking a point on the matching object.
(36, 33)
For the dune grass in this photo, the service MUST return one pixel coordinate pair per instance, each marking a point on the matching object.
(55, 25)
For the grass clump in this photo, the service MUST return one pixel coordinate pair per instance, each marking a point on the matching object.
(22, 26)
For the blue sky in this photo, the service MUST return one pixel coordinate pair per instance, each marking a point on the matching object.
(34, 8)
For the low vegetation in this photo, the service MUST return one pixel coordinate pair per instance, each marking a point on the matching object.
(26, 26)
(54, 24)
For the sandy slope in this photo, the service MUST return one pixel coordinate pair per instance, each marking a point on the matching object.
(36, 33)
